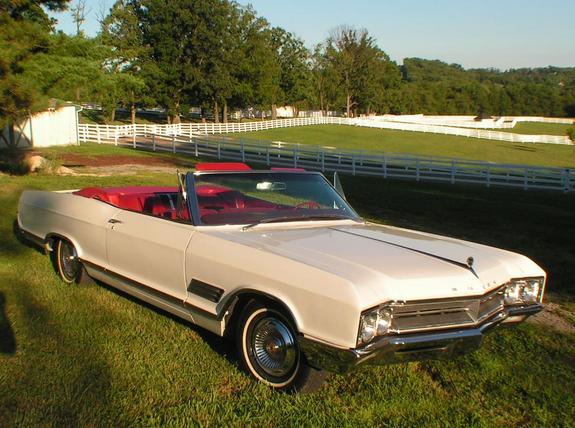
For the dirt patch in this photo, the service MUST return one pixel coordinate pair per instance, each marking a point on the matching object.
(556, 317)
(125, 169)
(108, 165)
(73, 160)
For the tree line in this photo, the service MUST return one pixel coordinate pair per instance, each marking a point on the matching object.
(221, 56)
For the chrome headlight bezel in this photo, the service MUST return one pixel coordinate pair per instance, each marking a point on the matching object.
(524, 291)
(373, 323)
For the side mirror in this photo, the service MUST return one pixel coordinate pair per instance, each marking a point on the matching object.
(337, 185)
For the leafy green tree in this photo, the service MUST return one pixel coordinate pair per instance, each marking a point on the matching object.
(24, 35)
(293, 58)
(358, 65)
(187, 40)
(256, 71)
(126, 55)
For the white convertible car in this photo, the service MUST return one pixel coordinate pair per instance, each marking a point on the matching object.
(280, 261)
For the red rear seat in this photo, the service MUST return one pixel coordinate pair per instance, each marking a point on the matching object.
(132, 202)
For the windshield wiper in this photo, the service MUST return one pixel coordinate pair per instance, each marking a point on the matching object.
(298, 218)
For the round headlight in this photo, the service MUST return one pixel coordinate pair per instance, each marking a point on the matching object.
(530, 291)
(368, 327)
(512, 294)
(383, 321)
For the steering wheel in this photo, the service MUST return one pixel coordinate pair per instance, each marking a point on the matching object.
(312, 205)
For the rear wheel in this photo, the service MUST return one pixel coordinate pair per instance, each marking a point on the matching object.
(268, 348)
(67, 263)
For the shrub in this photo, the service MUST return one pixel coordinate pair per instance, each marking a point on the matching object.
(571, 133)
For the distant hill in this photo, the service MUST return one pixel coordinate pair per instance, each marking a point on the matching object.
(435, 87)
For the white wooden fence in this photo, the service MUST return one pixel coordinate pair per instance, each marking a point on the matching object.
(181, 139)
(93, 132)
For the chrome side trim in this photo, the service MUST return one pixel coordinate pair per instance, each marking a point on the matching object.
(408, 347)
(30, 237)
(157, 298)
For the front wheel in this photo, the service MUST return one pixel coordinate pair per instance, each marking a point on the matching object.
(268, 348)
(67, 263)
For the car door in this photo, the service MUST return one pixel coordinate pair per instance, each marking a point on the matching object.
(150, 251)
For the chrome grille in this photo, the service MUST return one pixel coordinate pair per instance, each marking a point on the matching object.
(436, 314)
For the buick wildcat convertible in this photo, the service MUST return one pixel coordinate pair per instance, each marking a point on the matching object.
(279, 261)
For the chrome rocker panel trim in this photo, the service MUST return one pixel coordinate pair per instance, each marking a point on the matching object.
(409, 347)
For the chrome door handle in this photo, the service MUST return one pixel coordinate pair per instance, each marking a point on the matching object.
(114, 221)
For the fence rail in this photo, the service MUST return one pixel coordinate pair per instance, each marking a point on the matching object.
(91, 132)
(355, 162)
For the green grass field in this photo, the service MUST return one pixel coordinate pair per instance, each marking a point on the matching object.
(536, 128)
(419, 143)
(91, 356)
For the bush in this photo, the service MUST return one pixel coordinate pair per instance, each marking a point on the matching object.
(571, 133)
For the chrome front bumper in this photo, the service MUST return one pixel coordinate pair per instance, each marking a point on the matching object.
(409, 347)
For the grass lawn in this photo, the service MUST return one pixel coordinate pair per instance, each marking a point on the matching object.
(536, 128)
(420, 143)
(92, 356)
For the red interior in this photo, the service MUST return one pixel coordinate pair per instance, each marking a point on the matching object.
(154, 200)
(214, 201)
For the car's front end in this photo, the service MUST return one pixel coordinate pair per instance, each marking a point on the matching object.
(400, 331)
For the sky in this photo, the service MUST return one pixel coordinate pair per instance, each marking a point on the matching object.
(499, 34)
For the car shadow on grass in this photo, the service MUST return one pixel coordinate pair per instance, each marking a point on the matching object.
(7, 338)
(73, 380)
(223, 346)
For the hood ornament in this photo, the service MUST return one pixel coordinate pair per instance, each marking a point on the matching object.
(470, 262)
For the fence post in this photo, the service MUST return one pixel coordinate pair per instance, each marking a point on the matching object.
(154, 142)
(384, 166)
(134, 135)
(173, 143)
(98, 132)
(115, 137)
(196, 149)
(295, 157)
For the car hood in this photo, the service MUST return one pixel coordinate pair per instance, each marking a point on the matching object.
(389, 263)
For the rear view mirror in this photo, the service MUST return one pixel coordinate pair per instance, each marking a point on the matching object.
(275, 186)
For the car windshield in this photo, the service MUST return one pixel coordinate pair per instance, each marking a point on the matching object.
(265, 197)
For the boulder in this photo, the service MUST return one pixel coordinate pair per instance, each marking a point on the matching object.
(35, 163)
(62, 170)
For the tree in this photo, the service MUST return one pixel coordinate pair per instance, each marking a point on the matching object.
(324, 80)
(358, 65)
(24, 35)
(79, 13)
(293, 59)
(180, 35)
(256, 72)
(121, 33)
(69, 69)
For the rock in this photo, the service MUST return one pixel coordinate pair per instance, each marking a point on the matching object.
(62, 170)
(35, 163)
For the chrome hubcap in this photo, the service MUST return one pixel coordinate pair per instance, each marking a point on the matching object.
(69, 261)
(274, 347)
